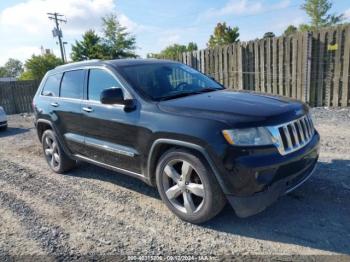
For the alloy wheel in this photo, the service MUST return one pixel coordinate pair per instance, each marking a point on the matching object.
(183, 186)
(51, 152)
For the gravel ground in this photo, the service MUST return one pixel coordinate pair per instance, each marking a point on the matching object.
(92, 211)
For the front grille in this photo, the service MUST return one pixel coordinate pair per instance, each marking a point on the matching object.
(291, 136)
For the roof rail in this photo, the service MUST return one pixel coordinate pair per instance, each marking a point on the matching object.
(78, 63)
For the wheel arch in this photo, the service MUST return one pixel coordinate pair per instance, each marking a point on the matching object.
(44, 124)
(161, 145)
(41, 126)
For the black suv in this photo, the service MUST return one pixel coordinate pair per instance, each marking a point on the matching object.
(175, 128)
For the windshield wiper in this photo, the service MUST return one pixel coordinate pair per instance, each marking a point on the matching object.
(183, 94)
(178, 95)
(208, 89)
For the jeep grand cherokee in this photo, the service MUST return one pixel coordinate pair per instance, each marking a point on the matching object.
(179, 130)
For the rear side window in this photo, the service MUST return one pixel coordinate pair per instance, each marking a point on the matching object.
(52, 85)
(98, 81)
(72, 84)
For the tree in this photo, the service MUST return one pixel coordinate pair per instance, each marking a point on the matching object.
(223, 35)
(305, 28)
(119, 43)
(12, 68)
(269, 34)
(192, 46)
(290, 30)
(90, 47)
(3, 71)
(173, 51)
(318, 11)
(37, 66)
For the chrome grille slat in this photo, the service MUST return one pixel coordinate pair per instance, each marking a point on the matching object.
(301, 131)
(311, 124)
(287, 135)
(308, 126)
(307, 134)
(293, 135)
(296, 138)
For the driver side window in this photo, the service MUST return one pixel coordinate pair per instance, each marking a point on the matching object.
(99, 80)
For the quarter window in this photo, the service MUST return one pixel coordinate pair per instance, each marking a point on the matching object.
(99, 80)
(72, 84)
(52, 85)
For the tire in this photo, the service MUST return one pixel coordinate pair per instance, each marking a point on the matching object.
(196, 197)
(56, 158)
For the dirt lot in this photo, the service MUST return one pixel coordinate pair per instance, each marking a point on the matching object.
(92, 211)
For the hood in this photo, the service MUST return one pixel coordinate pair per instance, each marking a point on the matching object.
(241, 109)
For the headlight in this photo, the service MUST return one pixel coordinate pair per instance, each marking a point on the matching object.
(255, 136)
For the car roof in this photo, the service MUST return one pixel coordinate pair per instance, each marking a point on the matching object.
(114, 63)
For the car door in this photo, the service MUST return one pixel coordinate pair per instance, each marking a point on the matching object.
(110, 131)
(67, 107)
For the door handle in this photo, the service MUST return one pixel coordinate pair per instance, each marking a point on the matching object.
(88, 109)
(54, 104)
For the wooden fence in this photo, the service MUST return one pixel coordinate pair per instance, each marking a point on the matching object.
(17, 96)
(311, 66)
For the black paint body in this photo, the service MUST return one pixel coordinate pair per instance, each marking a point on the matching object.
(195, 122)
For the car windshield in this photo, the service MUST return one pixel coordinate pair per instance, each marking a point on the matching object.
(163, 81)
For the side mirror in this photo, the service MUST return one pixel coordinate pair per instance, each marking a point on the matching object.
(114, 95)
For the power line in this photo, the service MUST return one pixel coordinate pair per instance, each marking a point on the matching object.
(57, 32)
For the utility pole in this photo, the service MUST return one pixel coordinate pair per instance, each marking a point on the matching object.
(57, 31)
(64, 50)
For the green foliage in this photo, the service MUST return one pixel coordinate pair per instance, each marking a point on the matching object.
(12, 68)
(26, 75)
(172, 52)
(223, 35)
(305, 28)
(115, 43)
(192, 46)
(118, 42)
(318, 11)
(290, 30)
(3, 71)
(38, 65)
(269, 34)
(90, 47)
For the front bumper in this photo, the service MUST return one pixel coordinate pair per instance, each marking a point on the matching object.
(268, 176)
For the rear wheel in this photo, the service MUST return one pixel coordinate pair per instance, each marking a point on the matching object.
(188, 187)
(58, 161)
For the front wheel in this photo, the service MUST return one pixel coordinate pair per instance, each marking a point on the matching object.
(58, 161)
(188, 187)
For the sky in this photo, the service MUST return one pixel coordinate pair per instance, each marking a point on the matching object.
(24, 26)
